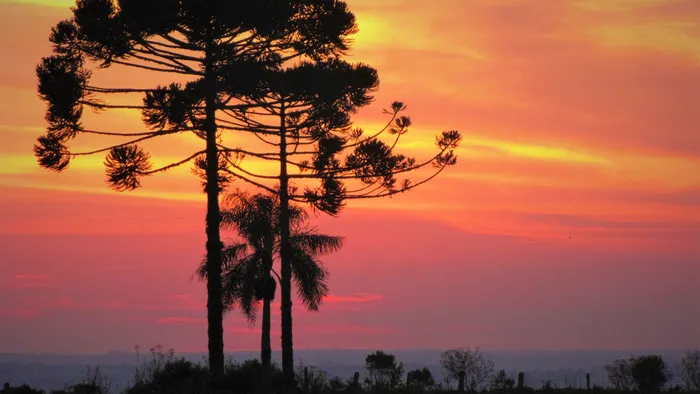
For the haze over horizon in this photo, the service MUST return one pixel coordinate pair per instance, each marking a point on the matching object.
(571, 221)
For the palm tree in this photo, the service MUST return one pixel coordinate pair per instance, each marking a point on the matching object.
(249, 276)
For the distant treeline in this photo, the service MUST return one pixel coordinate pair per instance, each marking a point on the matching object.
(464, 370)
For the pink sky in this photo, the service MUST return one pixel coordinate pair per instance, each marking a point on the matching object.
(572, 220)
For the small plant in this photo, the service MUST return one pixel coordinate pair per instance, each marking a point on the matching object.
(94, 383)
(338, 385)
(501, 381)
(146, 370)
(312, 379)
(164, 373)
(546, 385)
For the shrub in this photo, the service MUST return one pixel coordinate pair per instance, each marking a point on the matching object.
(650, 373)
(312, 379)
(384, 371)
(690, 371)
(421, 379)
(164, 373)
(248, 377)
(23, 389)
(620, 375)
(502, 382)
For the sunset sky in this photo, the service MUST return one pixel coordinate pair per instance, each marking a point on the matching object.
(572, 220)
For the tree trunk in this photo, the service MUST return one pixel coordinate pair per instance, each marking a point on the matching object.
(213, 220)
(286, 274)
(266, 349)
(265, 344)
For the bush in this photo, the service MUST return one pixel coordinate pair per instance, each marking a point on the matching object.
(164, 373)
(23, 389)
(650, 373)
(248, 377)
(384, 371)
(620, 375)
(311, 379)
(420, 379)
(502, 382)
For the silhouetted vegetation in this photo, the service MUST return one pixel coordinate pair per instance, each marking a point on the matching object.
(690, 371)
(420, 380)
(222, 48)
(384, 372)
(243, 62)
(647, 373)
(248, 271)
(164, 373)
(468, 367)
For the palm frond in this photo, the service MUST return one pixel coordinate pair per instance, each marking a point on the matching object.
(229, 256)
(310, 277)
(238, 286)
(316, 244)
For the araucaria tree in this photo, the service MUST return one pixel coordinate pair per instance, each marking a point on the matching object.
(212, 52)
(302, 118)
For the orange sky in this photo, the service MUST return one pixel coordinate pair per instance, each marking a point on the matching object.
(572, 219)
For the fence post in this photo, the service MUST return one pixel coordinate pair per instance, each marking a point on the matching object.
(521, 380)
(462, 375)
(588, 381)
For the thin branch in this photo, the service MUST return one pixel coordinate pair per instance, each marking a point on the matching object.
(148, 137)
(137, 134)
(252, 182)
(173, 165)
(243, 170)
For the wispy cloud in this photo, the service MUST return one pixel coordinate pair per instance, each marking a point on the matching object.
(363, 297)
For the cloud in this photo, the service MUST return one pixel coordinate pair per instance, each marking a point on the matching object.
(353, 298)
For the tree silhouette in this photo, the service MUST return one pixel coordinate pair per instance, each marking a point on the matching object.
(249, 275)
(650, 372)
(690, 370)
(620, 374)
(420, 379)
(303, 117)
(383, 370)
(476, 369)
(214, 51)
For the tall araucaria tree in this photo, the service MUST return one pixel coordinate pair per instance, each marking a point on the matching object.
(213, 52)
(303, 116)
